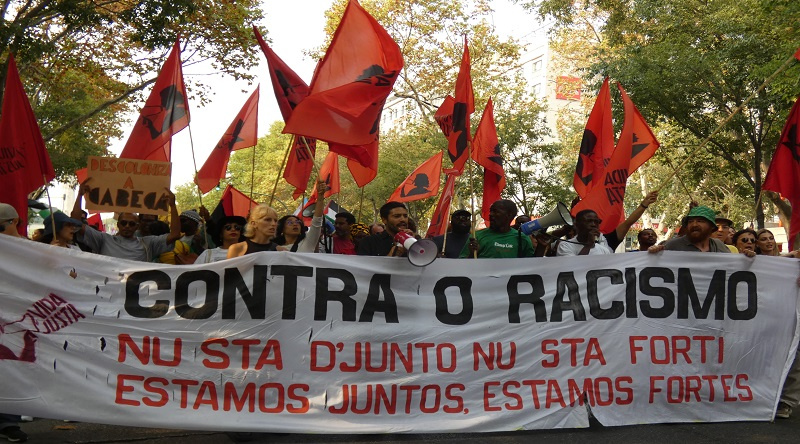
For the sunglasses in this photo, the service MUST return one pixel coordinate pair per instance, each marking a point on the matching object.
(233, 227)
(127, 223)
(747, 240)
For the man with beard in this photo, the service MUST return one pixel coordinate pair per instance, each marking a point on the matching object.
(588, 240)
(700, 223)
(499, 240)
(394, 216)
(457, 237)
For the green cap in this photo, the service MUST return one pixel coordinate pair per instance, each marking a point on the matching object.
(704, 212)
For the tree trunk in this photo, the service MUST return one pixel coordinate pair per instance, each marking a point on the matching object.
(784, 209)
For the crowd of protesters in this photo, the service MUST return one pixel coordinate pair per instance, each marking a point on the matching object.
(193, 237)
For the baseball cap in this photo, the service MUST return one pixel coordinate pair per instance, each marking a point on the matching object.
(8, 212)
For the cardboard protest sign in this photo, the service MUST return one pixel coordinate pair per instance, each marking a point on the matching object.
(128, 185)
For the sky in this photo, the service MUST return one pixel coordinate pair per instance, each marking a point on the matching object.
(210, 122)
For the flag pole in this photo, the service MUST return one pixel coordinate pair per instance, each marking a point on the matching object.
(49, 204)
(680, 179)
(447, 214)
(253, 175)
(471, 193)
(283, 165)
(206, 237)
(360, 203)
(719, 127)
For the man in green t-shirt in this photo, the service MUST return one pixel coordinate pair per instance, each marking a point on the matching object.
(499, 240)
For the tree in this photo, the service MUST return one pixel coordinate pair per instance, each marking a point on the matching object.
(689, 64)
(82, 61)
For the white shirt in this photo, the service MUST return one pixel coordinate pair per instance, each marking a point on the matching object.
(212, 255)
(572, 247)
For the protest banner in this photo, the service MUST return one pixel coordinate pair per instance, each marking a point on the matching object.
(318, 343)
(128, 185)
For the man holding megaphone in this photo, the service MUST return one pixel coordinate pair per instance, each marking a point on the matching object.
(394, 216)
(499, 240)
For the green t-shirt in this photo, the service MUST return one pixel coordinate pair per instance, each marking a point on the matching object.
(494, 245)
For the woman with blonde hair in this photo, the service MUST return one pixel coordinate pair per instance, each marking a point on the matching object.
(259, 231)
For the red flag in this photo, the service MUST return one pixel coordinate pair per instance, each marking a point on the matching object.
(444, 115)
(486, 151)
(165, 113)
(329, 171)
(463, 107)
(783, 175)
(241, 134)
(24, 162)
(636, 144)
(289, 88)
(363, 174)
(350, 84)
(96, 221)
(299, 164)
(421, 183)
(235, 203)
(441, 215)
(597, 144)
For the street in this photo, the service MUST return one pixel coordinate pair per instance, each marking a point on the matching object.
(47, 431)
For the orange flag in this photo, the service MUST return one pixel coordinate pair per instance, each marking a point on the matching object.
(636, 144)
(597, 144)
(165, 113)
(241, 134)
(486, 152)
(330, 172)
(463, 107)
(783, 175)
(421, 183)
(24, 162)
(441, 215)
(350, 84)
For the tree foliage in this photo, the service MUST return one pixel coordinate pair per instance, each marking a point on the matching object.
(83, 61)
(687, 64)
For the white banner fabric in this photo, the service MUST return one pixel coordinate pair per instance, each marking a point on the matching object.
(291, 342)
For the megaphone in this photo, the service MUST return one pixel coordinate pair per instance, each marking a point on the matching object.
(559, 216)
(420, 252)
(309, 210)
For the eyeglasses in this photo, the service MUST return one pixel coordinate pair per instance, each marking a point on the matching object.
(127, 223)
(747, 240)
(293, 222)
(233, 227)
